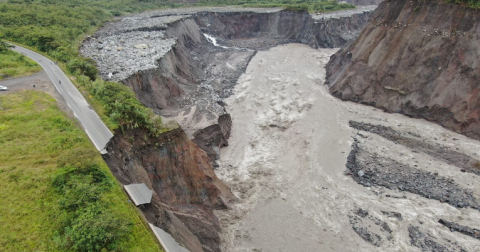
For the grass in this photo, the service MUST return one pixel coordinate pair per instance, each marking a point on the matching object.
(34, 134)
(13, 64)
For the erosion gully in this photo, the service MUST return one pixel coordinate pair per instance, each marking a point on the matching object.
(306, 171)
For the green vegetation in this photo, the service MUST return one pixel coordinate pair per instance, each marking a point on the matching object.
(56, 27)
(14, 64)
(474, 4)
(297, 5)
(121, 106)
(57, 193)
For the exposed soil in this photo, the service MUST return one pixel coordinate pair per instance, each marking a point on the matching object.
(405, 62)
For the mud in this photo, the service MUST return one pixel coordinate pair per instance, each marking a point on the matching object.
(166, 58)
(416, 143)
(426, 242)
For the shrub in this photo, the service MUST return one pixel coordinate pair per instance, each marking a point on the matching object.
(88, 224)
(83, 66)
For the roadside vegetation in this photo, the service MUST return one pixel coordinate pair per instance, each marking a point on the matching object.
(57, 193)
(14, 64)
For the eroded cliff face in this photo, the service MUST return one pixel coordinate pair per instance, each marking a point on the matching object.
(186, 189)
(189, 86)
(264, 30)
(419, 58)
(194, 77)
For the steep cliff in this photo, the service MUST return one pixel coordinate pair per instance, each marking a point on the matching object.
(186, 189)
(193, 78)
(188, 83)
(264, 30)
(419, 58)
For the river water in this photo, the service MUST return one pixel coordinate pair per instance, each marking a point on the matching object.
(286, 163)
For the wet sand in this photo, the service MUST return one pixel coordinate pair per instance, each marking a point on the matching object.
(286, 162)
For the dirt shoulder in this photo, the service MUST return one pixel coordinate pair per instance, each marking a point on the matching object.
(42, 83)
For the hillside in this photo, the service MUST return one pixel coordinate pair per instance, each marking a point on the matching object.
(418, 58)
(57, 193)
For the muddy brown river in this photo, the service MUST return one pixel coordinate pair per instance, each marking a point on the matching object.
(286, 161)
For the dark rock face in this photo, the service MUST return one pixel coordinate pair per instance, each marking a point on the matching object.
(473, 232)
(161, 88)
(214, 137)
(194, 76)
(418, 58)
(186, 189)
(194, 70)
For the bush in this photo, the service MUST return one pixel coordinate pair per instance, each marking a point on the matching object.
(83, 66)
(122, 107)
(95, 229)
(88, 224)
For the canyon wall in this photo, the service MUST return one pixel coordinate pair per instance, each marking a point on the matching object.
(189, 84)
(175, 85)
(281, 27)
(186, 189)
(418, 58)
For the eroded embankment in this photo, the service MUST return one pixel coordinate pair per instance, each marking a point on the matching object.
(165, 58)
(186, 189)
(190, 81)
(418, 58)
(171, 66)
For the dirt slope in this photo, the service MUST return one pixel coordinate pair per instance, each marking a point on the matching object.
(418, 58)
(185, 187)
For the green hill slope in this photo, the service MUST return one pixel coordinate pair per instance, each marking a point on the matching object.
(57, 193)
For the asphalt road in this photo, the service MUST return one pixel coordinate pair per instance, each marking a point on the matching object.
(96, 130)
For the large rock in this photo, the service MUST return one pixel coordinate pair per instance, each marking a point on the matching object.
(419, 58)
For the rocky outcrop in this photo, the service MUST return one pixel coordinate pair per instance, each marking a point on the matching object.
(419, 58)
(214, 137)
(160, 88)
(186, 189)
